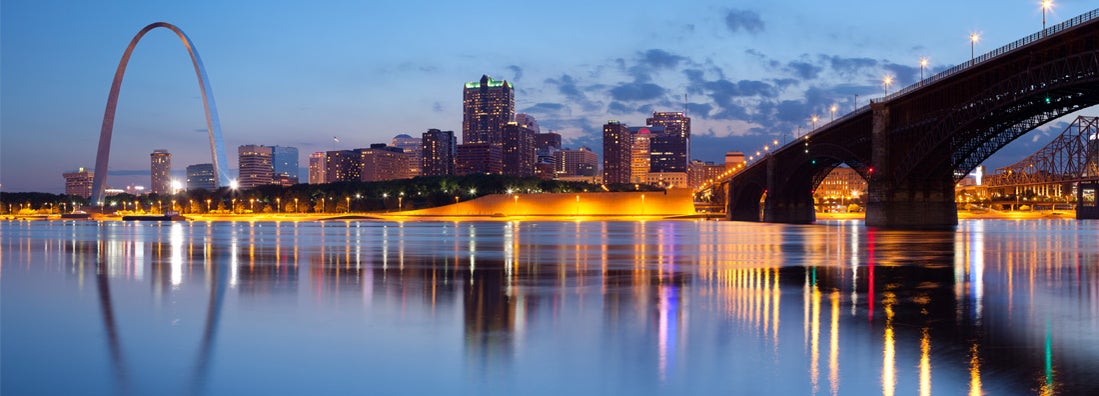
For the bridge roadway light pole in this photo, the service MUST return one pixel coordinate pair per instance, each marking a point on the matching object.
(923, 65)
(973, 38)
(1046, 5)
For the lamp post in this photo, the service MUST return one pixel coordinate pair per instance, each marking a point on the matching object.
(814, 119)
(400, 201)
(887, 81)
(1046, 5)
(973, 39)
(296, 209)
(278, 202)
(833, 111)
(252, 204)
(348, 203)
(923, 65)
(208, 205)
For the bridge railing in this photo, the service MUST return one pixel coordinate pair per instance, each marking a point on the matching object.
(1066, 25)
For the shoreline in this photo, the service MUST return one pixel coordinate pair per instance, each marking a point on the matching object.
(402, 216)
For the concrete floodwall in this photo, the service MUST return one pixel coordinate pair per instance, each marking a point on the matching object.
(672, 202)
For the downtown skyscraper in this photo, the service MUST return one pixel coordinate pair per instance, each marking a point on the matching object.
(487, 106)
(670, 150)
(255, 166)
(160, 171)
(616, 153)
(439, 149)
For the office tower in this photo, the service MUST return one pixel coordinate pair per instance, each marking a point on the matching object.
(698, 173)
(201, 176)
(284, 160)
(160, 172)
(381, 163)
(548, 140)
(473, 158)
(582, 162)
(255, 166)
(616, 153)
(527, 121)
(519, 154)
(343, 165)
(316, 168)
(670, 149)
(414, 148)
(640, 156)
(79, 182)
(438, 150)
(545, 147)
(733, 159)
(487, 106)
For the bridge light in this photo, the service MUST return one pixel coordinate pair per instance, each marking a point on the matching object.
(814, 162)
(871, 169)
(1048, 101)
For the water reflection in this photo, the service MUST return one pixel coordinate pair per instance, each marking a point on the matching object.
(570, 307)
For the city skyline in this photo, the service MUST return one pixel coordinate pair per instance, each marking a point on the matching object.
(749, 75)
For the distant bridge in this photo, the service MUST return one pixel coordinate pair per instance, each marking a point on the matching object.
(1071, 158)
(913, 146)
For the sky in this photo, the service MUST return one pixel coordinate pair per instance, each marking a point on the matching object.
(300, 73)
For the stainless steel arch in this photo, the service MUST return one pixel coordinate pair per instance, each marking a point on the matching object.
(213, 125)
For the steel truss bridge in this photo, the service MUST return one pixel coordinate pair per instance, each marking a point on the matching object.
(1070, 158)
(913, 146)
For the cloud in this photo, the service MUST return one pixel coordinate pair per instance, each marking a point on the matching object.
(660, 59)
(437, 107)
(848, 66)
(804, 70)
(618, 108)
(632, 92)
(748, 21)
(548, 110)
(516, 72)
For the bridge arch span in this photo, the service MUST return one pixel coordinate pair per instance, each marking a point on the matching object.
(1023, 101)
(213, 124)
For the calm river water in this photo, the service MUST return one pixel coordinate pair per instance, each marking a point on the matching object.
(552, 308)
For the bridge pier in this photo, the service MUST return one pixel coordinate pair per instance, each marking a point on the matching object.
(787, 203)
(924, 202)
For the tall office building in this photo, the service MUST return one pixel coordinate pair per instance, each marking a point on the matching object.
(545, 147)
(284, 160)
(201, 176)
(487, 106)
(527, 121)
(670, 149)
(438, 150)
(343, 165)
(640, 155)
(582, 162)
(698, 173)
(617, 143)
(414, 148)
(381, 163)
(474, 158)
(256, 167)
(733, 159)
(79, 182)
(519, 153)
(160, 171)
(316, 168)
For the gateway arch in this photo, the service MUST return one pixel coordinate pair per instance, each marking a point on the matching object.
(213, 126)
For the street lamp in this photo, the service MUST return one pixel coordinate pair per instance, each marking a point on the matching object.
(400, 201)
(348, 203)
(833, 111)
(207, 205)
(887, 81)
(252, 204)
(1046, 5)
(923, 65)
(278, 202)
(815, 118)
(973, 39)
(296, 205)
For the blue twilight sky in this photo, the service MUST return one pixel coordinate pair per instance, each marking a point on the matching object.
(299, 73)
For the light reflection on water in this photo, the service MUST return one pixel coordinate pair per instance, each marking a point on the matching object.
(997, 307)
